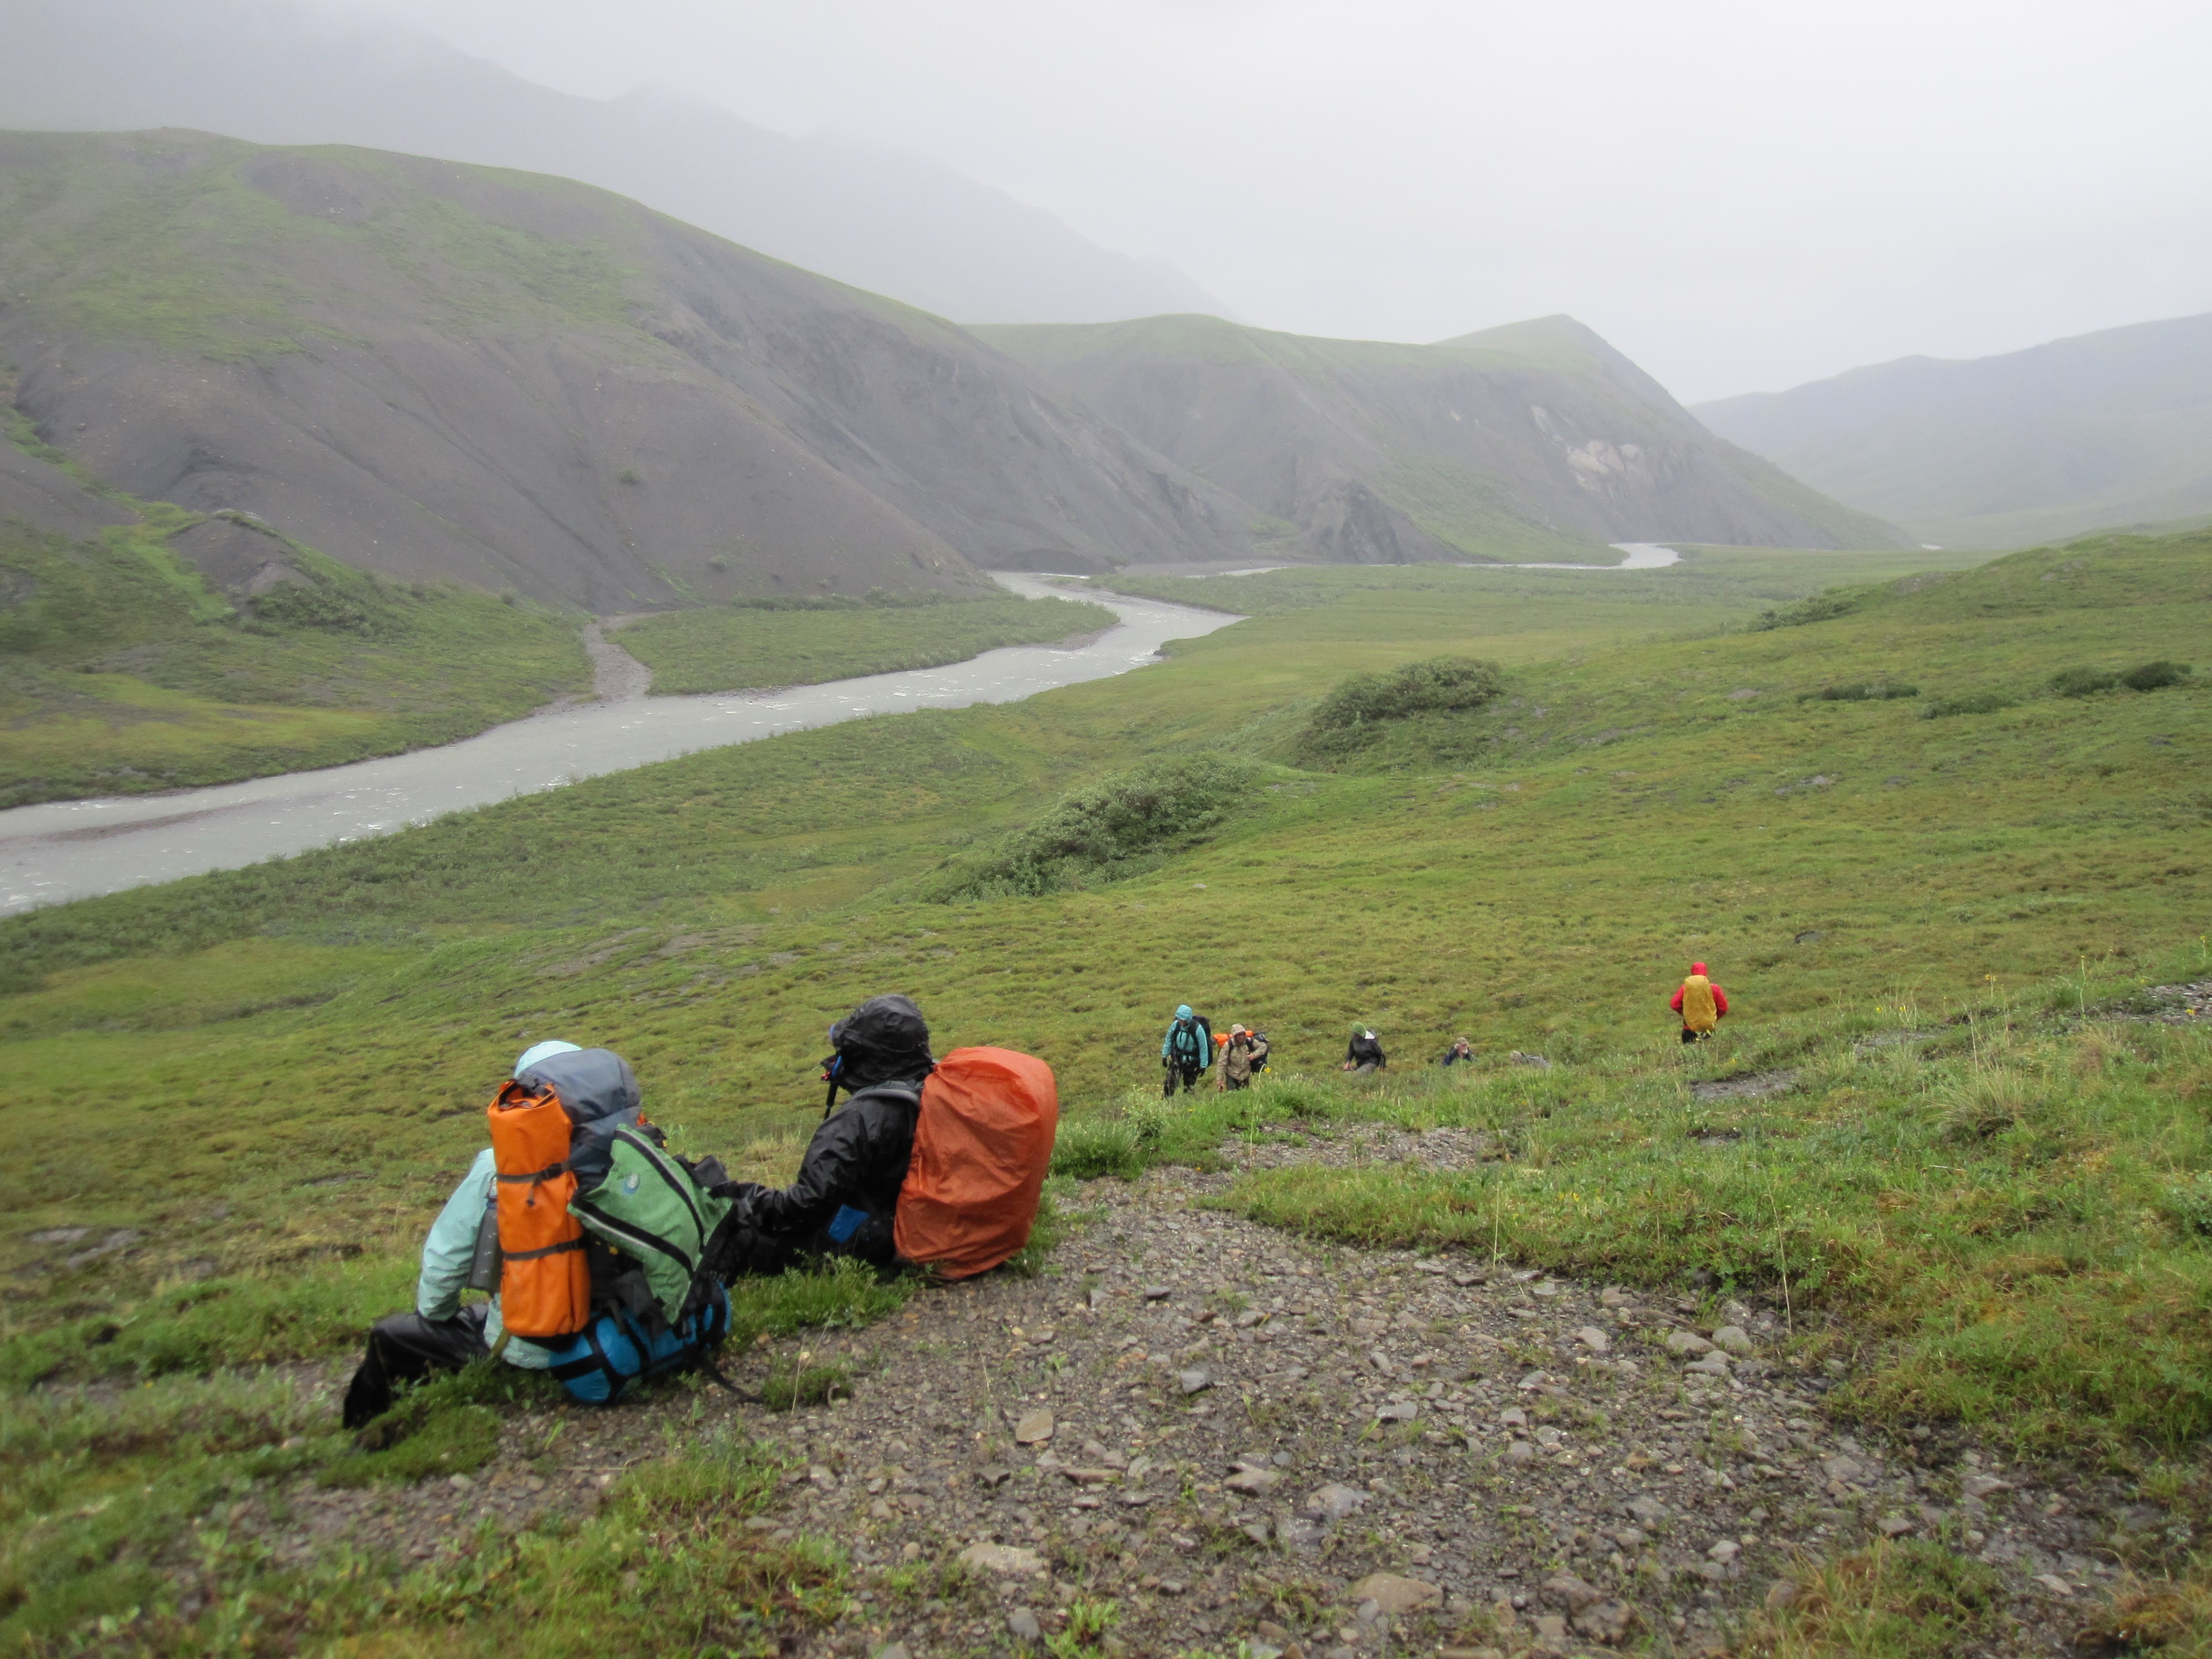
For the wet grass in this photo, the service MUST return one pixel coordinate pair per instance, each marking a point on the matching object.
(303, 1049)
(666, 1564)
(1893, 1600)
(733, 647)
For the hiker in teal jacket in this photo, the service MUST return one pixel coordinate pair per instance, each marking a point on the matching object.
(1186, 1051)
(441, 1335)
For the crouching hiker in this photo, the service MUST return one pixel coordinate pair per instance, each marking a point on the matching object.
(572, 1164)
(930, 1165)
(1365, 1052)
(1701, 1004)
(845, 1197)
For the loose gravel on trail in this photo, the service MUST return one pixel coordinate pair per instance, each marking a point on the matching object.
(1233, 1433)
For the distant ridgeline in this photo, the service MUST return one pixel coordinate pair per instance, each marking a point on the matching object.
(2109, 429)
(1537, 441)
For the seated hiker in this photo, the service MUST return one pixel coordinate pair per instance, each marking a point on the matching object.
(1236, 1067)
(460, 1253)
(1701, 1004)
(845, 1199)
(1186, 1051)
(1366, 1052)
(1459, 1054)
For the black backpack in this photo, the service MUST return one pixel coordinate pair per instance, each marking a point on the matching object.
(1198, 1035)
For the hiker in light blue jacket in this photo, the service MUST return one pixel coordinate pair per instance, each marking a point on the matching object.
(441, 1335)
(1186, 1051)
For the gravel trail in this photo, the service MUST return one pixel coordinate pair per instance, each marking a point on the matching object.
(1233, 1433)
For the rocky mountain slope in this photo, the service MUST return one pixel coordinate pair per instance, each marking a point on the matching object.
(426, 370)
(1536, 440)
(2106, 429)
(888, 221)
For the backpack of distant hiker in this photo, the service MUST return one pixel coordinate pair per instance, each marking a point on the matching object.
(552, 1132)
(1192, 1041)
(982, 1146)
(618, 1349)
(1259, 1052)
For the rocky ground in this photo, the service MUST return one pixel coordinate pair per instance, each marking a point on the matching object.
(1209, 1432)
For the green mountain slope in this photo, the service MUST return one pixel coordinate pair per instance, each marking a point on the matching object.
(436, 371)
(1533, 441)
(2111, 429)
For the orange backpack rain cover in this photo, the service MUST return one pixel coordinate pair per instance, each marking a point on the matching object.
(544, 1282)
(980, 1150)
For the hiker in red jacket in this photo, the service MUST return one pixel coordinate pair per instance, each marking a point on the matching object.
(1701, 1003)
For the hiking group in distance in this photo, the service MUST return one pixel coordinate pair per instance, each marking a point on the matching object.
(607, 1257)
(1187, 1049)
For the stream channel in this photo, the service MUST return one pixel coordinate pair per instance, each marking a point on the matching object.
(62, 850)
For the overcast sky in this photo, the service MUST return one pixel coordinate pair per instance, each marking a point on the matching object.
(1742, 197)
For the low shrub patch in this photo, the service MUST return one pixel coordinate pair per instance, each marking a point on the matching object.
(2155, 676)
(1861, 691)
(1350, 715)
(1120, 827)
(1820, 607)
(1979, 703)
(2083, 682)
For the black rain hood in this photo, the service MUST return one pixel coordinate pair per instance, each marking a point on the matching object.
(883, 1039)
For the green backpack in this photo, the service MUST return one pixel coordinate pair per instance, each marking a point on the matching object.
(651, 1210)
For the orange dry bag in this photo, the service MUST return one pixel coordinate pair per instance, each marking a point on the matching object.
(544, 1282)
(982, 1146)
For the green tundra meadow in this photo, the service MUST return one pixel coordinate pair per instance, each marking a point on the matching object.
(1940, 829)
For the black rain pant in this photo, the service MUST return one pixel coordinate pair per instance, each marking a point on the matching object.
(405, 1347)
(1180, 1072)
(1689, 1036)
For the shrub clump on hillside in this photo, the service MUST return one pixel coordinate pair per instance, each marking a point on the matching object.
(1119, 827)
(1358, 710)
(1979, 703)
(2155, 676)
(1860, 692)
(2083, 682)
(1821, 607)
(2148, 676)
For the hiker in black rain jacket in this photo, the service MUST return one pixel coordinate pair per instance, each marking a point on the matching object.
(846, 1194)
(1366, 1052)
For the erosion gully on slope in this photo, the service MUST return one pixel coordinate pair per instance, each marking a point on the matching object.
(1232, 1433)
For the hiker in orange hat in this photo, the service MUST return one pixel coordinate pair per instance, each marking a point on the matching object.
(1701, 1004)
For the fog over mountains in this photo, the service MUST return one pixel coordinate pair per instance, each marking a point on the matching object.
(2110, 429)
(889, 221)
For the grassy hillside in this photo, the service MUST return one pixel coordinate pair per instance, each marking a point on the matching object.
(1983, 1207)
(1535, 441)
(734, 647)
(123, 669)
(2105, 429)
